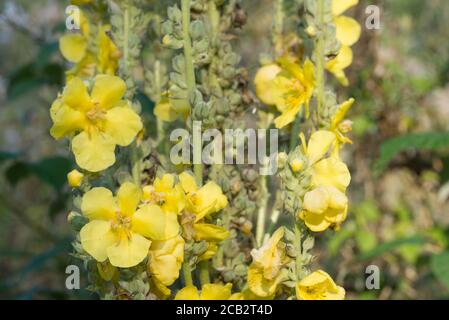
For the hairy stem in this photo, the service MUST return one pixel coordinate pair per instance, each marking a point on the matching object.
(278, 27)
(187, 274)
(319, 56)
(261, 215)
(298, 248)
(204, 272)
(190, 72)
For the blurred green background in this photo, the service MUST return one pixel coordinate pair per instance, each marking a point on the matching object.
(399, 216)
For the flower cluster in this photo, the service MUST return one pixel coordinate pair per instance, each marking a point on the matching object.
(147, 226)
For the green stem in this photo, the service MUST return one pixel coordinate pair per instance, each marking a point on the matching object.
(294, 136)
(298, 232)
(204, 272)
(261, 215)
(190, 71)
(187, 274)
(135, 164)
(278, 27)
(319, 56)
(157, 85)
(214, 18)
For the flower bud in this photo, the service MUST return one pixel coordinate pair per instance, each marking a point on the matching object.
(75, 178)
(296, 165)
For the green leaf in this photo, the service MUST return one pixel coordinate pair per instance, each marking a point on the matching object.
(17, 172)
(440, 267)
(389, 246)
(419, 141)
(366, 241)
(5, 155)
(50, 170)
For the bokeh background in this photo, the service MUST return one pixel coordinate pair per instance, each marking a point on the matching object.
(399, 216)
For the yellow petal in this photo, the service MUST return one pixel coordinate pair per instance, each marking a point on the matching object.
(337, 65)
(188, 182)
(215, 291)
(319, 144)
(75, 95)
(338, 199)
(96, 237)
(336, 216)
(341, 112)
(287, 116)
(339, 295)
(108, 53)
(348, 30)
(208, 199)
(317, 200)
(340, 6)
(73, 47)
(75, 178)
(315, 222)
(266, 89)
(309, 71)
(211, 251)
(188, 293)
(94, 153)
(108, 90)
(331, 172)
(165, 184)
(122, 125)
(319, 286)
(258, 284)
(164, 111)
(65, 120)
(237, 296)
(128, 197)
(164, 268)
(99, 204)
(210, 232)
(129, 252)
(154, 223)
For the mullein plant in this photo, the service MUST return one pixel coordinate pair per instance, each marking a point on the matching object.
(150, 229)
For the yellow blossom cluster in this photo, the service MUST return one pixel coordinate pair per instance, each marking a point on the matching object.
(136, 224)
(90, 50)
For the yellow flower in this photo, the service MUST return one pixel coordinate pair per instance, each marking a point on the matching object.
(75, 178)
(211, 251)
(165, 193)
(100, 120)
(340, 126)
(323, 207)
(74, 48)
(319, 286)
(168, 109)
(326, 171)
(296, 165)
(348, 32)
(108, 53)
(265, 272)
(287, 86)
(166, 258)
(120, 231)
(211, 291)
(266, 90)
(202, 202)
